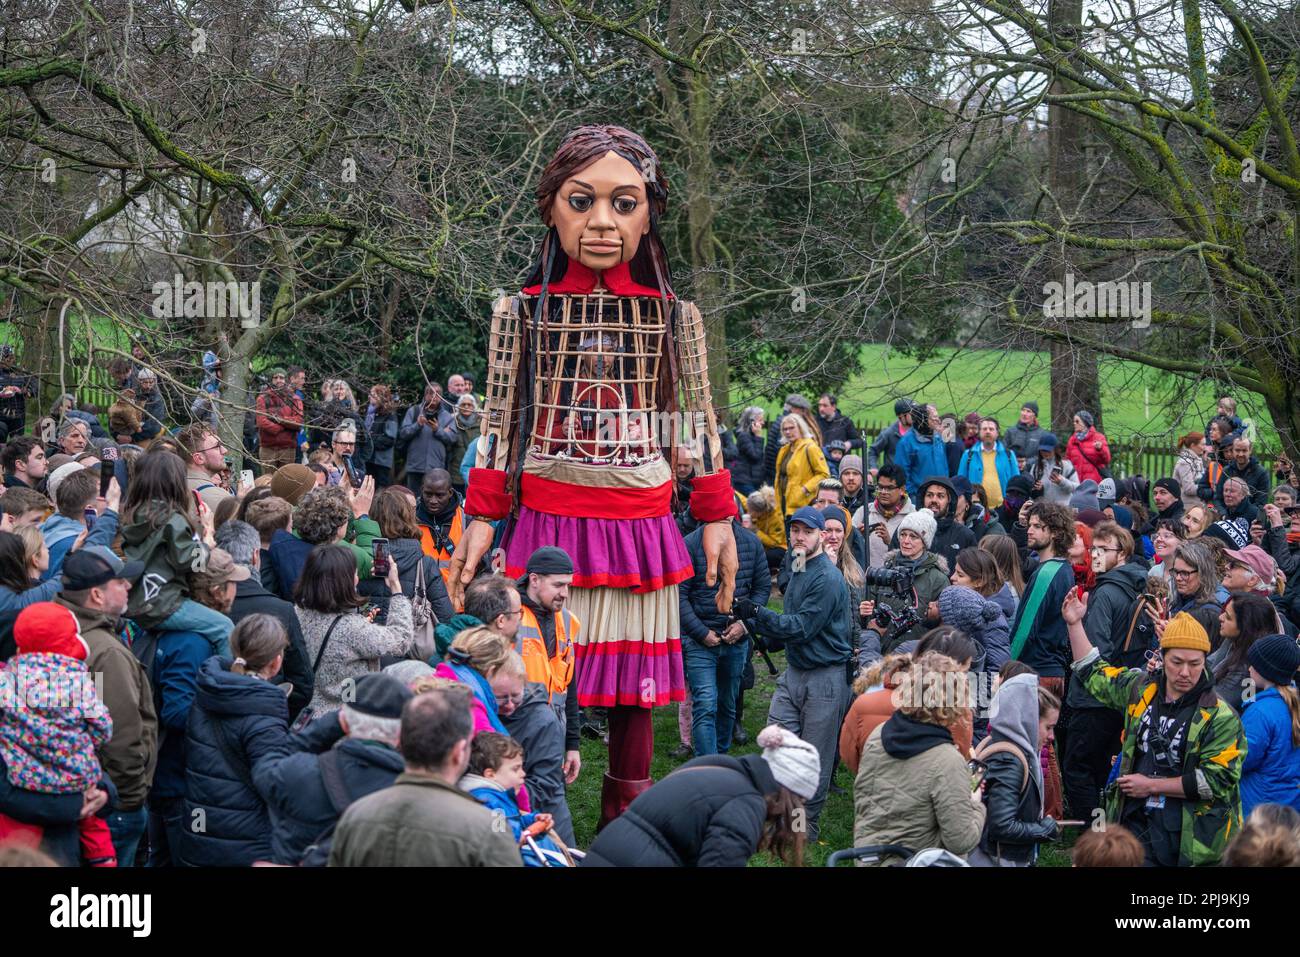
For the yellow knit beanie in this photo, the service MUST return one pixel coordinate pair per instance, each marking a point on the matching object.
(1184, 631)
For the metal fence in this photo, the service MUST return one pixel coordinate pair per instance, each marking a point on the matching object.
(1131, 455)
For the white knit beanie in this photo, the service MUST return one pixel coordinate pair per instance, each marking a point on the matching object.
(58, 475)
(922, 522)
(794, 762)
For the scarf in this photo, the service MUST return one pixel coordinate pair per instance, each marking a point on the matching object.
(466, 422)
(370, 418)
(1292, 538)
(1081, 436)
(482, 691)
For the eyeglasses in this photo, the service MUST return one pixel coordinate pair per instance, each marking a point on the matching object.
(1184, 573)
(1104, 548)
(510, 698)
(886, 488)
(219, 445)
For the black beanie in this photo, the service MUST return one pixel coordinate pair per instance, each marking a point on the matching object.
(1275, 657)
(549, 560)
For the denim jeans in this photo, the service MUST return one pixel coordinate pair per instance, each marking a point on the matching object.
(211, 624)
(166, 823)
(126, 828)
(713, 675)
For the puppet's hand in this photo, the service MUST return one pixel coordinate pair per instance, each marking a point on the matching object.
(721, 561)
(473, 545)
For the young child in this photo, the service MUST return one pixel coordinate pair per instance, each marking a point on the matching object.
(51, 719)
(496, 772)
(162, 528)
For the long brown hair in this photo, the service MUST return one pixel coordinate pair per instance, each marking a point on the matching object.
(785, 831)
(1005, 553)
(982, 569)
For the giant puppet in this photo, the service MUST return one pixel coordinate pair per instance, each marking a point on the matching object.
(596, 371)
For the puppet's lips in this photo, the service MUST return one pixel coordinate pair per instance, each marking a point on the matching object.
(603, 246)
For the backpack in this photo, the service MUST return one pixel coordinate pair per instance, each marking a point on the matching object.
(989, 747)
(1134, 634)
(144, 645)
(318, 854)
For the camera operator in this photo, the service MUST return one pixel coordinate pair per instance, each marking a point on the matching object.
(812, 694)
(929, 577)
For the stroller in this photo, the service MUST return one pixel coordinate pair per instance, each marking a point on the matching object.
(873, 853)
(565, 857)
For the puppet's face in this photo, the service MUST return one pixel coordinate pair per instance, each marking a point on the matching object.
(602, 212)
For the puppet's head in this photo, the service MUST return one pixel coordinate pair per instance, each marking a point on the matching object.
(602, 195)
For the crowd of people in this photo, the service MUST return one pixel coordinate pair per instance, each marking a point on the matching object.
(995, 635)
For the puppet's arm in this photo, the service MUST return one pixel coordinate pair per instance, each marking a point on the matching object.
(712, 499)
(487, 498)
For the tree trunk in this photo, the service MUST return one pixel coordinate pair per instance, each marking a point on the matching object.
(701, 211)
(1073, 370)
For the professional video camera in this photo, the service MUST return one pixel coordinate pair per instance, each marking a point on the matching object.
(891, 620)
(899, 579)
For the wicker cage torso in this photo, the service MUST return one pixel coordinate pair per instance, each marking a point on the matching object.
(595, 362)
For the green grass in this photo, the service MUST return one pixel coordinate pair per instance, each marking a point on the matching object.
(1135, 399)
(836, 824)
(584, 794)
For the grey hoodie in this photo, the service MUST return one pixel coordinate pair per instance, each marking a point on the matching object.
(1013, 717)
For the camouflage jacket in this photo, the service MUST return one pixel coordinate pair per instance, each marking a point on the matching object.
(1213, 756)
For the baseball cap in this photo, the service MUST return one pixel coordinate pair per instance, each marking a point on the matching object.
(221, 568)
(810, 517)
(96, 565)
(1259, 562)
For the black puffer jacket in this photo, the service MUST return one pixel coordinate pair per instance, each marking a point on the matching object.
(749, 464)
(1013, 826)
(707, 813)
(300, 808)
(698, 601)
(235, 722)
(252, 598)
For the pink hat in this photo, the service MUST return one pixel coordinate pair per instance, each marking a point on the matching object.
(1259, 562)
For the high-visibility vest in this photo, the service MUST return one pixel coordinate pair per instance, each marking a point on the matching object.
(439, 551)
(1213, 472)
(556, 672)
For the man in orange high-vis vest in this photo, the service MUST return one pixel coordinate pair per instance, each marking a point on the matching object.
(545, 639)
(441, 518)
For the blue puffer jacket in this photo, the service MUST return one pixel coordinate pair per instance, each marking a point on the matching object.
(235, 722)
(1271, 772)
(698, 601)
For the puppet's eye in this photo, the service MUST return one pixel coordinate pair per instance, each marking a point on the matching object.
(625, 204)
(580, 202)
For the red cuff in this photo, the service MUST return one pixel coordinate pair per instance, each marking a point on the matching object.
(712, 499)
(486, 495)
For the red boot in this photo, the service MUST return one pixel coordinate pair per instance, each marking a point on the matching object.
(615, 795)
